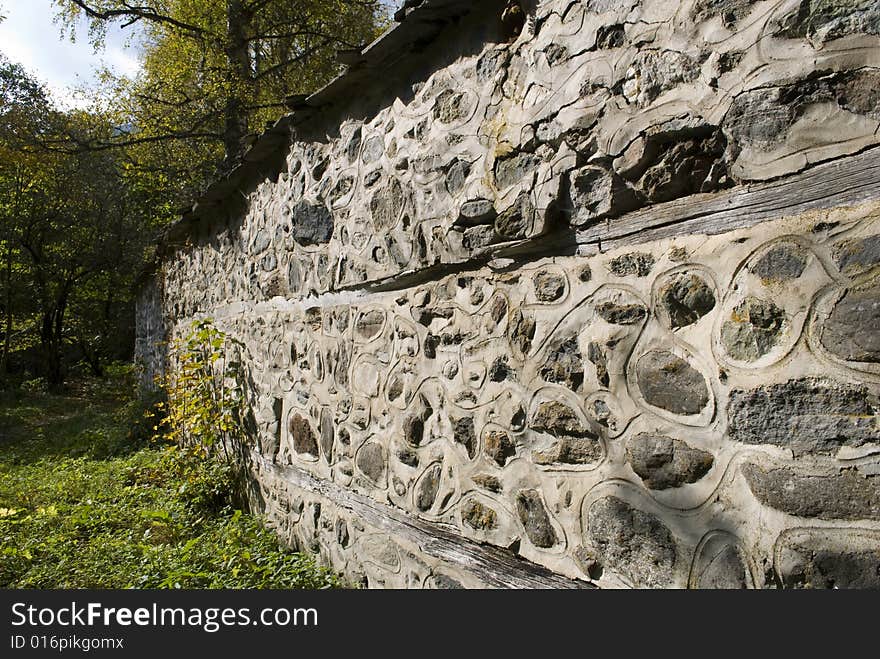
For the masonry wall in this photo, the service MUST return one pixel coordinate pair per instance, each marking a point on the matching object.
(585, 294)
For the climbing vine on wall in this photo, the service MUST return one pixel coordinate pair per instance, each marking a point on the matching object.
(204, 404)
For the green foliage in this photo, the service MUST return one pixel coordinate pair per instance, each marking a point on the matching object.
(85, 503)
(203, 390)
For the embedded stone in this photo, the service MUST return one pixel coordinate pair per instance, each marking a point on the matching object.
(549, 286)
(514, 168)
(479, 517)
(386, 205)
(632, 542)
(662, 462)
(478, 237)
(456, 174)
(450, 106)
(476, 211)
(852, 329)
(372, 463)
(727, 570)
(670, 383)
(414, 424)
(610, 36)
(846, 495)
(408, 457)
(730, 11)
(829, 562)
(597, 193)
(261, 242)
(781, 263)
(312, 223)
(427, 487)
(327, 433)
(564, 364)
(369, 324)
(535, 519)
(807, 416)
(500, 370)
(522, 331)
(374, 147)
(498, 446)
(463, 433)
(558, 419)
(516, 221)
(831, 19)
(621, 314)
(634, 263)
(302, 436)
(857, 255)
(487, 482)
(686, 299)
(570, 450)
(754, 328)
(597, 357)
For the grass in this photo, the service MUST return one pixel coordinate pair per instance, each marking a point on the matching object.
(88, 500)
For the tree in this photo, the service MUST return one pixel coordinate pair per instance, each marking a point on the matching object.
(72, 230)
(215, 71)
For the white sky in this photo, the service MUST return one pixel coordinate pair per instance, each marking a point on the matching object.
(30, 37)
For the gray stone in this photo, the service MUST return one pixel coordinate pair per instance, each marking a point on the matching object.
(670, 383)
(515, 222)
(498, 446)
(261, 242)
(852, 329)
(463, 433)
(754, 328)
(610, 36)
(371, 178)
(369, 324)
(726, 570)
(302, 436)
(456, 175)
(427, 487)
(478, 237)
(476, 211)
(564, 364)
(372, 462)
(312, 223)
(479, 516)
(816, 564)
(621, 314)
(831, 19)
(500, 370)
(639, 264)
(414, 423)
(781, 263)
(686, 299)
(807, 416)
(535, 519)
(597, 193)
(632, 542)
(662, 462)
(514, 168)
(374, 147)
(450, 106)
(327, 433)
(858, 255)
(386, 205)
(521, 331)
(557, 419)
(487, 482)
(570, 450)
(596, 355)
(846, 495)
(549, 286)
(490, 63)
(731, 11)
(661, 70)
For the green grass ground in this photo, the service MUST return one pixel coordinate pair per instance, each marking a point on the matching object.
(86, 502)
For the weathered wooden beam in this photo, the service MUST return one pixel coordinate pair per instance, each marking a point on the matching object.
(496, 567)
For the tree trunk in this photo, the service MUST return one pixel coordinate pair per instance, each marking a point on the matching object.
(7, 321)
(238, 59)
(52, 337)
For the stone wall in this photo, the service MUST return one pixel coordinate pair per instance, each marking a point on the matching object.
(565, 293)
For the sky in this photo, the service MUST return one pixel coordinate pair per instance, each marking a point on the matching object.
(30, 37)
